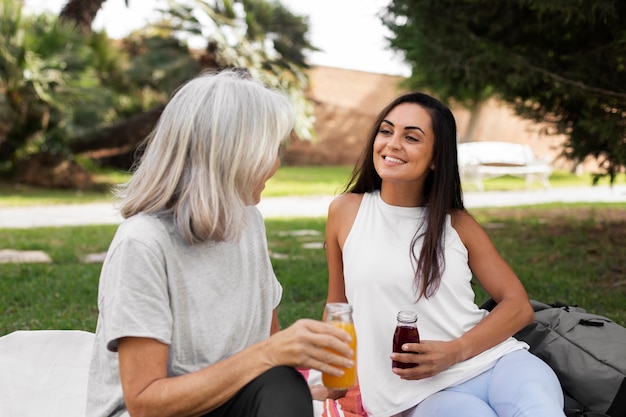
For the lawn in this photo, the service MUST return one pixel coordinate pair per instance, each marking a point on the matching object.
(288, 181)
(569, 253)
(573, 254)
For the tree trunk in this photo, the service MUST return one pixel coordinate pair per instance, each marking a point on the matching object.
(472, 123)
(124, 136)
(81, 12)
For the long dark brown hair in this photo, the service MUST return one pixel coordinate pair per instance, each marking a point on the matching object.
(442, 190)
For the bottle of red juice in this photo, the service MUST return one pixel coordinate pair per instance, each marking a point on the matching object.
(406, 332)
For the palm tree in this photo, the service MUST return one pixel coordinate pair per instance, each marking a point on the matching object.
(86, 93)
(82, 12)
(262, 37)
(48, 91)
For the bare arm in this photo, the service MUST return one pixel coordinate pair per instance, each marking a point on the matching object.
(512, 313)
(275, 324)
(149, 392)
(341, 215)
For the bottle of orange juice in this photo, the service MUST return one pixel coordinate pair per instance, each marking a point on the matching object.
(340, 315)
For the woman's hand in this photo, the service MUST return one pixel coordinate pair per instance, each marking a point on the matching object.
(312, 344)
(149, 391)
(431, 356)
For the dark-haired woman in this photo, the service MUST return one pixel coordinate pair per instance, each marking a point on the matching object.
(400, 238)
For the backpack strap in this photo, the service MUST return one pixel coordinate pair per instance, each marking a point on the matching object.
(573, 408)
(489, 304)
(538, 305)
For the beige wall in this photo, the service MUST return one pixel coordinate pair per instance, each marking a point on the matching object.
(347, 102)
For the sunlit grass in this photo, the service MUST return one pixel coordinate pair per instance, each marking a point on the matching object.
(17, 195)
(577, 259)
(306, 181)
(288, 181)
(558, 179)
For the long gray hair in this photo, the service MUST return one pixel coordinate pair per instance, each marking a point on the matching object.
(216, 141)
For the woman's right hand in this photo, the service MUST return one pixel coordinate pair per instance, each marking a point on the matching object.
(312, 344)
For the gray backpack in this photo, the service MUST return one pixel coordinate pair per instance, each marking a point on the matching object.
(586, 351)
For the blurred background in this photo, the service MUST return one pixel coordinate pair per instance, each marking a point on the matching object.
(82, 82)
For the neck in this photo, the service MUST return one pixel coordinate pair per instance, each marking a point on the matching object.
(402, 194)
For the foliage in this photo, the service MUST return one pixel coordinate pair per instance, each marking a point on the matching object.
(157, 65)
(563, 63)
(261, 36)
(65, 92)
(559, 263)
(82, 12)
(49, 91)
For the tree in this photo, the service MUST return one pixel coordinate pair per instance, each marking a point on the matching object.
(65, 90)
(261, 36)
(82, 12)
(47, 91)
(558, 62)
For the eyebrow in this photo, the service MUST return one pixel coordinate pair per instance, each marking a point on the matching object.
(406, 128)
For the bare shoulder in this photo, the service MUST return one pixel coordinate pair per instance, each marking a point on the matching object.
(346, 203)
(465, 225)
(341, 214)
(462, 218)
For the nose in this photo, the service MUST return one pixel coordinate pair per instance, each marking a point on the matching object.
(394, 142)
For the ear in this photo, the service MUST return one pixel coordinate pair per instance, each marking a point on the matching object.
(432, 166)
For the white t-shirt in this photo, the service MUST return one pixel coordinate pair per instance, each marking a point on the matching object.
(206, 301)
(379, 282)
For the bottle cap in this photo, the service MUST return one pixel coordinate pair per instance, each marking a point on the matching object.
(407, 316)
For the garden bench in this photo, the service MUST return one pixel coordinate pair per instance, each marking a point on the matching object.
(489, 159)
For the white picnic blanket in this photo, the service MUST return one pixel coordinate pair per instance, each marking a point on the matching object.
(44, 373)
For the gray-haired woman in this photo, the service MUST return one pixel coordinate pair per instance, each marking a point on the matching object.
(187, 296)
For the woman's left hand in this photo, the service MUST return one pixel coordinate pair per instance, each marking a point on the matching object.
(431, 357)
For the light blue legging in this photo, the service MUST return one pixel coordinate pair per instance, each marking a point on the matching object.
(519, 385)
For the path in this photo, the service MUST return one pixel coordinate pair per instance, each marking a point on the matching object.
(105, 213)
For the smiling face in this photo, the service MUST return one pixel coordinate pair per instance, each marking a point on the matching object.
(403, 147)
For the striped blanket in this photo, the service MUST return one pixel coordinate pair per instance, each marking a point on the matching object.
(347, 406)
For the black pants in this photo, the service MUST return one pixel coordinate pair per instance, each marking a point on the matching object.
(279, 392)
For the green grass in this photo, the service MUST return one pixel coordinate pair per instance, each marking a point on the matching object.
(16, 195)
(575, 256)
(303, 181)
(288, 181)
(558, 179)
(559, 253)
(59, 295)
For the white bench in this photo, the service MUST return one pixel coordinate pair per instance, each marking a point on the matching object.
(490, 159)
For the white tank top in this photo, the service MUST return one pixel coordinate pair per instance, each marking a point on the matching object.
(379, 282)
